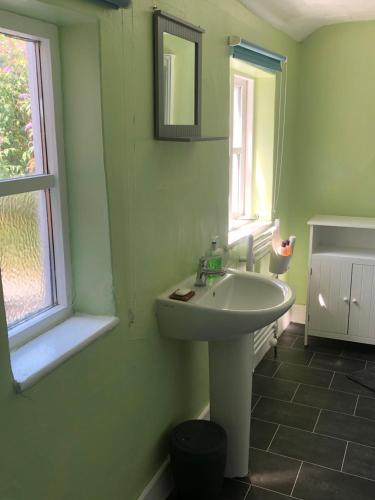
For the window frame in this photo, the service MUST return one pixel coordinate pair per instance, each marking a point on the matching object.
(54, 181)
(248, 85)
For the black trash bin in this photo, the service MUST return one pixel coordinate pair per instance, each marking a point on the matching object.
(198, 450)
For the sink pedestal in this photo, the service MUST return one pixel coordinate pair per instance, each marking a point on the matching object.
(231, 367)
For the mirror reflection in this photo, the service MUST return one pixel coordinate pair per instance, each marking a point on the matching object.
(179, 80)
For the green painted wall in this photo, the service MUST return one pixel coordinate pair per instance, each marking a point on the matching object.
(334, 171)
(84, 157)
(264, 120)
(96, 427)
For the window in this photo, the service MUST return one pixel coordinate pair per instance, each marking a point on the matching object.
(169, 67)
(252, 146)
(33, 255)
(241, 154)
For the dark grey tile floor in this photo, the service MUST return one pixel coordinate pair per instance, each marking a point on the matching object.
(313, 429)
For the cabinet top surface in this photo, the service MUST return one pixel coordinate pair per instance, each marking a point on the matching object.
(342, 221)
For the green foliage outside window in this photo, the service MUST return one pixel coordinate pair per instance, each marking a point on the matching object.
(16, 134)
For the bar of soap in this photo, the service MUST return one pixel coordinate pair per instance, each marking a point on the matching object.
(181, 292)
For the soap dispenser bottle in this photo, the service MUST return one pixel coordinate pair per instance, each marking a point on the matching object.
(216, 254)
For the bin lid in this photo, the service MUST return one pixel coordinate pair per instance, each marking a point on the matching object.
(199, 437)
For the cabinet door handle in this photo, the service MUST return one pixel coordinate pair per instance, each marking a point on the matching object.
(354, 301)
(346, 300)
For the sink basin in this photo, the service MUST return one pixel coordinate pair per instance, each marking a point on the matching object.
(225, 313)
(226, 308)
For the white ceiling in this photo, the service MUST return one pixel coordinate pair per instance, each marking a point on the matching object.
(299, 18)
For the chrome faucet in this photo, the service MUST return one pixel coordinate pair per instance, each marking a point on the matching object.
(204, 271)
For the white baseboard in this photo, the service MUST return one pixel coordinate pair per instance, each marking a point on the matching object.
(298, 314)
(161, 484)
(283, 322)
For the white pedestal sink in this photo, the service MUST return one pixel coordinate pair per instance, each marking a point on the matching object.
(225, 312)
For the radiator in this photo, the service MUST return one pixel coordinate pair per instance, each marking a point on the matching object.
(258, 248)
(261, 341)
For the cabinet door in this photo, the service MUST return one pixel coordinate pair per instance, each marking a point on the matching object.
(362, 301)
(329, 294)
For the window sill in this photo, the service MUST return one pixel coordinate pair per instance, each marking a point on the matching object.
(43, 354)
(253, 228)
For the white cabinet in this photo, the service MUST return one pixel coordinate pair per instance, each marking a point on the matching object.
(341, 298)
(329, 294)
(362, 303)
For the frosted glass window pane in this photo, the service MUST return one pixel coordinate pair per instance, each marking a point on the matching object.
(21, 129)
(25, 259)
(237, 117)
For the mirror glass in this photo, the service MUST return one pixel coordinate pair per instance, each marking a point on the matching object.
(179, 80)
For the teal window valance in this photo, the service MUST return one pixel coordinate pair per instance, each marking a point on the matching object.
(253, 54)
(117, 3)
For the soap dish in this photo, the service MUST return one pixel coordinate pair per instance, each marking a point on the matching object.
(182, 294)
